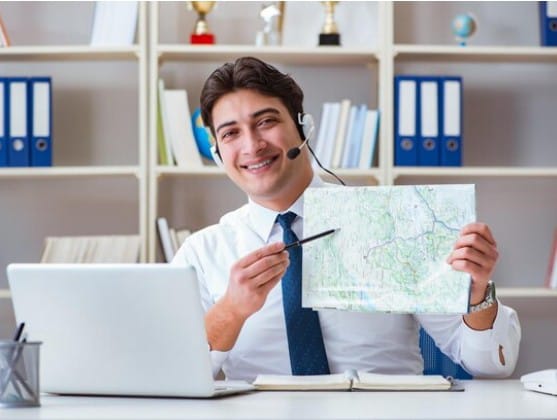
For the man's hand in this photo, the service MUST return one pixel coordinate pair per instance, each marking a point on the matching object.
(475, 252)
(251, 279)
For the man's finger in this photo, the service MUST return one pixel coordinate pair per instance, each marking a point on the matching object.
(479, 228)
(260, 253)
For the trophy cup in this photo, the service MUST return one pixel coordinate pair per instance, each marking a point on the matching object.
(201, 34)
(329, 33)
(271, 13)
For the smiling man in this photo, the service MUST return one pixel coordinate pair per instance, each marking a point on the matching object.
(250, 285)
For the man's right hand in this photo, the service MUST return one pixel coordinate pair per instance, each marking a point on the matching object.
(251, 279)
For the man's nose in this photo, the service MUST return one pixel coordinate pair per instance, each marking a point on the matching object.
(253, 142)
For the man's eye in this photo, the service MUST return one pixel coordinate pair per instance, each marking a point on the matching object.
(266, 122)
(228, 135)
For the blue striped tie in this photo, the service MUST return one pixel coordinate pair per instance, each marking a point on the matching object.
(305, 341)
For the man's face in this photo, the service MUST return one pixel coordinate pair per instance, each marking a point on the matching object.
(254, 133)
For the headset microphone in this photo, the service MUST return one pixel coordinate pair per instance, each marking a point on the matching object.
(295, 151)
(308, 127)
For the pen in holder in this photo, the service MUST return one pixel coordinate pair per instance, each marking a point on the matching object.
(19, 373)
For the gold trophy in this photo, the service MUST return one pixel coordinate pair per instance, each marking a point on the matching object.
(329, 33)
(201, 34)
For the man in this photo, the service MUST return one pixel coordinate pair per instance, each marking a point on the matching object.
(252, 110)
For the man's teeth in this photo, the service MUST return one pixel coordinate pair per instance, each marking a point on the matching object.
(259, 165)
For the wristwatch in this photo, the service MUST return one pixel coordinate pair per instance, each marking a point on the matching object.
(488, 301)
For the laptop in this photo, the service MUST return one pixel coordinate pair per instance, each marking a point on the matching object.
(117, 329)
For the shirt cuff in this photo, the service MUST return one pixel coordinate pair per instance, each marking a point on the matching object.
(479, 340)
(492, 352)
(217, 360)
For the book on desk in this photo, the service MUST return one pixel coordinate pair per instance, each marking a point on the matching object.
(353, 380)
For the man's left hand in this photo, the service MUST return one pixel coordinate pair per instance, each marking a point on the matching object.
(475, 252)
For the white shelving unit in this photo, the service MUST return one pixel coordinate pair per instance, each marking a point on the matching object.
(383, 57)
(509, 127)
(27, 60)
(164, 53)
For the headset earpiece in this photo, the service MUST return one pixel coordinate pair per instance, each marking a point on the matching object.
(216, 156)
(307, 124)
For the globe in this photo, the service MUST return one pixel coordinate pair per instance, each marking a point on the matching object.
(203, 137)
(464, 26)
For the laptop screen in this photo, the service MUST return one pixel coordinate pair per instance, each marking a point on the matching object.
(115, 329)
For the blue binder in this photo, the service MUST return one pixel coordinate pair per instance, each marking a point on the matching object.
(4, 117)
(406, 104)
(18, 132)
(40, 120)
(451, 118)
(428, 121)
(548, 23)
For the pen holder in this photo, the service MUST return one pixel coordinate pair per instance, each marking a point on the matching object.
(19, 374)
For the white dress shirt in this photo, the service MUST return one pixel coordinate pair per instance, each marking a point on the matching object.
(377, 342)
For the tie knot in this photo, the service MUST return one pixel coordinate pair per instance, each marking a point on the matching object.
(286, 219)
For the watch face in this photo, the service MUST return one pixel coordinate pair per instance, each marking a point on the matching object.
(489, 299)
(490, 293)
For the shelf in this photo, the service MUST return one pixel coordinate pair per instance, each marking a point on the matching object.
(180, 171)
(68, 52)
(285, 55)
(526, 292)
(69, 171)
(474, 53)
(216, 171)
(471, 171)
(506, 292)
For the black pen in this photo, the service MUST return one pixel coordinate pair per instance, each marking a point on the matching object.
(310, 238)
(19, 331)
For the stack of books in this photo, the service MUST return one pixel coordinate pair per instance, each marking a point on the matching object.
(114, 23)
(176, 139)
(92, 249)
(170, 239)
(347, 135)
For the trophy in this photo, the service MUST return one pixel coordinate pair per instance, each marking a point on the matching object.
(201, 34)
(271, 13)
(329, 33)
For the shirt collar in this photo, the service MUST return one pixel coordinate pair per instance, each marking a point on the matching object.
(263, 219)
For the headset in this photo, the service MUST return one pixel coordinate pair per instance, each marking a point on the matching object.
(307, 125)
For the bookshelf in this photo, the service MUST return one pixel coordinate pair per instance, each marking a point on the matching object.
(98, 181)
(395, 49)
(107, 179)
(169, 57)
(509, 149)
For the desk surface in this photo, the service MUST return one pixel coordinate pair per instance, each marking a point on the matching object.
(503, 399)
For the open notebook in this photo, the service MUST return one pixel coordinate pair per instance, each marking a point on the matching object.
(353, 380)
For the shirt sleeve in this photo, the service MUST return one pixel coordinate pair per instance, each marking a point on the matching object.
(491, 353)
(187, 255)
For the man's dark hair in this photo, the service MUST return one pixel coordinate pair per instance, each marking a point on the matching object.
(251, 73)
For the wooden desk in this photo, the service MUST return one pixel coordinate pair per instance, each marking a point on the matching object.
(503, 399)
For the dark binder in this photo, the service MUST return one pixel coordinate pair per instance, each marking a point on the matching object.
(18, 127)
(40, 121)
(451, 117)
(406, 111)
(429, 123)
(4, 117)
(548, 23)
